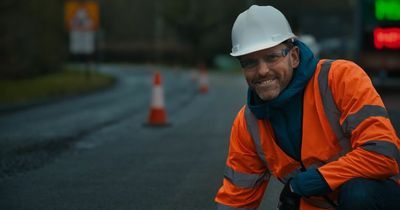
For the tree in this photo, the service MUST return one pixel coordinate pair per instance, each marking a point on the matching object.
(204, 25)
(32, 39)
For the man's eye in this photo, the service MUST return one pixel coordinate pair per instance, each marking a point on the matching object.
(246, 64)
(271, 58)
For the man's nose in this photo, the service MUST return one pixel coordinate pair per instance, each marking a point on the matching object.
(263, 68)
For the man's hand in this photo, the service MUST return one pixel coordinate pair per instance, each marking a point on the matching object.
(288, 200)
(309, 183)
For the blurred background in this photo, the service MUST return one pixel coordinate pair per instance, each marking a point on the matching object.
(36, 38)
(128, 104)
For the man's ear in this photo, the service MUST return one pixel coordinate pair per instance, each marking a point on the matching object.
(295, 56)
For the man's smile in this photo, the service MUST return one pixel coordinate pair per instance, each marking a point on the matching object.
(265, 82)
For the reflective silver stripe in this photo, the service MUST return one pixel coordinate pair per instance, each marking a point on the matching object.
(353, 120)
(224, 207)
(244, 180)
(383, 147)
(331, 111)
(252, 127)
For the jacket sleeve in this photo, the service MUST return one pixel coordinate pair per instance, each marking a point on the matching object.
(374, 151)
(245, 176)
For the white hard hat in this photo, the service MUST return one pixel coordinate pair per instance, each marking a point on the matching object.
(257, 28)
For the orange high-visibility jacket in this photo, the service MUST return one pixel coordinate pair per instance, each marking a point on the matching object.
(346, 134)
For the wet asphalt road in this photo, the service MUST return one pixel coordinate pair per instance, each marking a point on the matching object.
(93, 152)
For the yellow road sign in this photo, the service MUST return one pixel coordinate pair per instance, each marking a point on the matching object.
(81, 15)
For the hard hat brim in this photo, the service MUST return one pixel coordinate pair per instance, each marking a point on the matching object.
(260, 46)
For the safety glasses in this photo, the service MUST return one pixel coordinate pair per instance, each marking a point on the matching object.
(270, 59)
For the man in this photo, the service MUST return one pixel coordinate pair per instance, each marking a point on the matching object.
(318, 126)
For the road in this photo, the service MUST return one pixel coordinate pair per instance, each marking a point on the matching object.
(93, 152)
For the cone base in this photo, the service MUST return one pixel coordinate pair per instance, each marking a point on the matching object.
(157, 118)
(203, 89)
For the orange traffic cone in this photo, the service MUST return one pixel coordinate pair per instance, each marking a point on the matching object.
(203, 80)
(157, 115)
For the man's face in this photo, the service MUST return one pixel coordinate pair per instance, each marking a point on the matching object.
(269, 71)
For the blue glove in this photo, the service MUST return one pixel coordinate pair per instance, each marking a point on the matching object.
(310, 183)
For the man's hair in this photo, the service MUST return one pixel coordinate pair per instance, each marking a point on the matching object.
(289, 43)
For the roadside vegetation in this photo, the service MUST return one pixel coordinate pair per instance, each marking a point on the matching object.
(68, 82)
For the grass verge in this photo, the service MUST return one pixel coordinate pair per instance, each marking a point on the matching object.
(65, 83)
